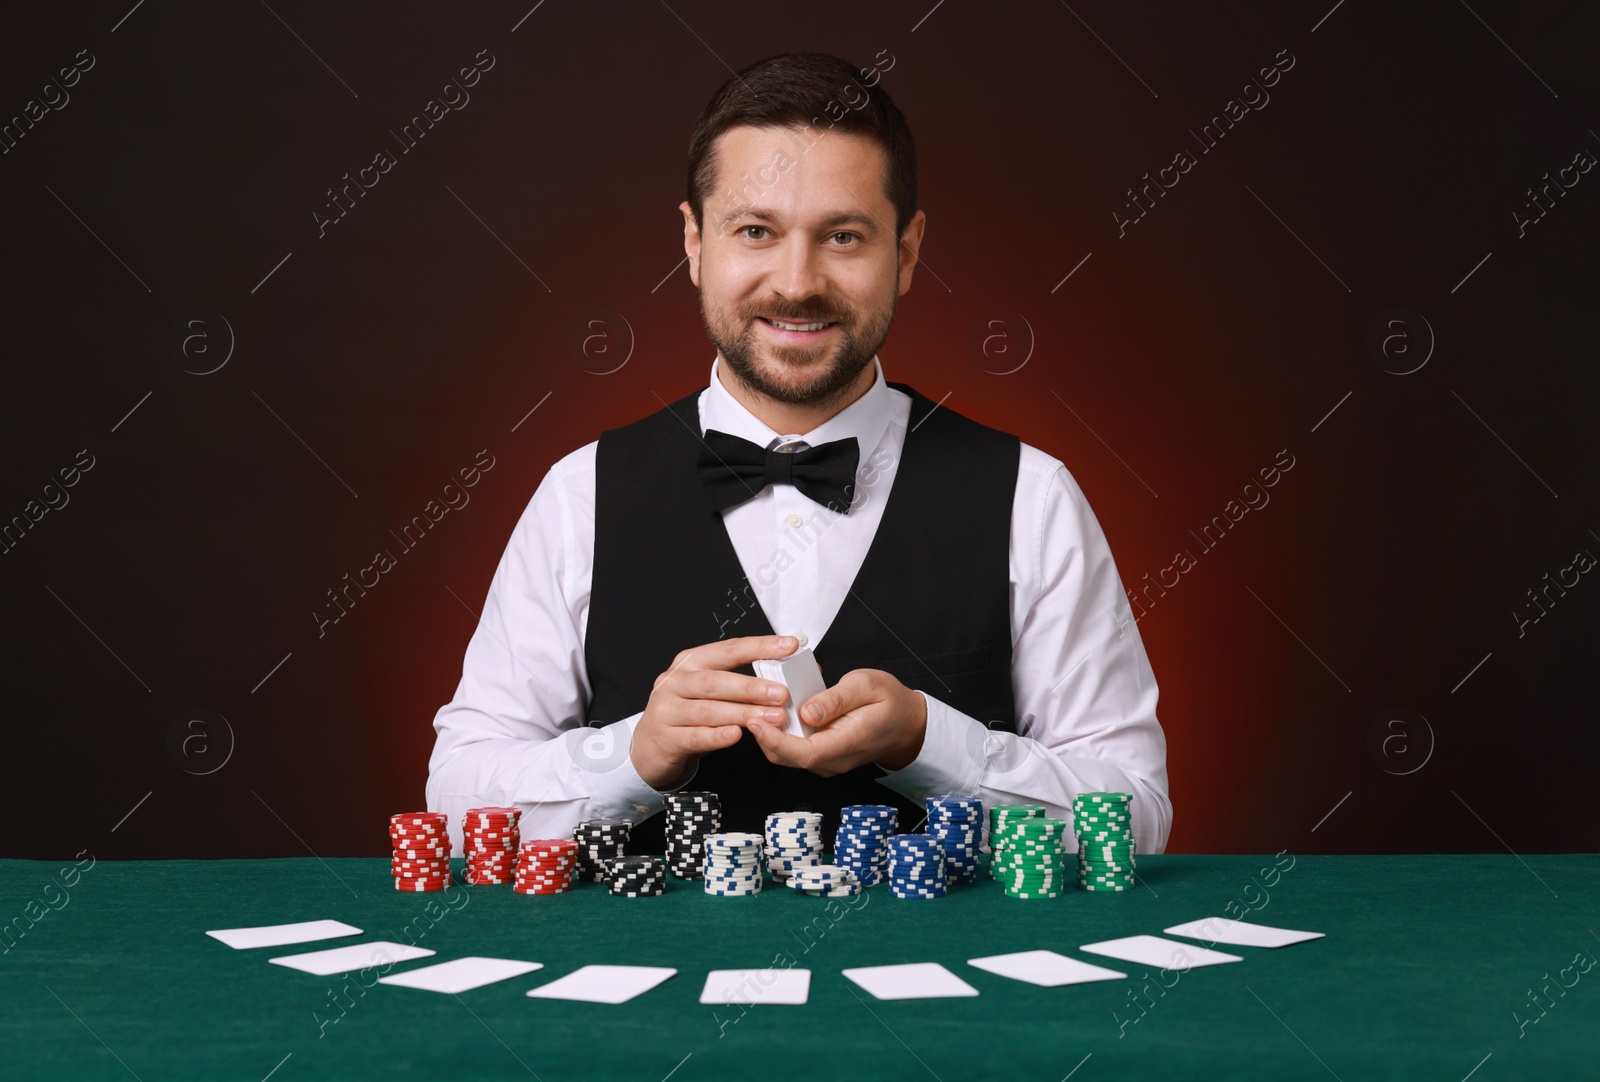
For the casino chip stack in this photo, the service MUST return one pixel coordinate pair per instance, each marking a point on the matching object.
(599, 840)
(916, 866)
(489, 838)
(733, 864)
(545, 866)
(861, 844)
(957, 821)
(636, 877)
(794, 841)
(690, 817)
(825, 881)
(1033, 864)
(1104, 822)
(421, 848)
(1002, 816)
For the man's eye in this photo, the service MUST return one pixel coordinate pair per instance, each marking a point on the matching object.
(837, 235)
(744, 230)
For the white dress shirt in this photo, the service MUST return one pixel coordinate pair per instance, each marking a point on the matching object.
(1084, 692)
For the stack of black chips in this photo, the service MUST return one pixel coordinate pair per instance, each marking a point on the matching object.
(636, 877)
(690, 817)
(599, 840)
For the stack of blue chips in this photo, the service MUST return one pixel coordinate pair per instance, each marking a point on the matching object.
(957, 821)
(916, 866)
(862, 842)
(793, 841)
(733, 864)
(824, 881)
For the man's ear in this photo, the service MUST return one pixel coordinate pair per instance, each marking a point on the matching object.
(691, 242)
(910, 246)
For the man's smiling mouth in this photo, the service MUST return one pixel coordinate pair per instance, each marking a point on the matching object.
(795, 328)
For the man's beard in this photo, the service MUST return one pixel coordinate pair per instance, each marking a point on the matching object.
(852, 347)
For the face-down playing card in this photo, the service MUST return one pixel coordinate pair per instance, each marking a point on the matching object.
(345, 959)
(461, 974)
(604, 984)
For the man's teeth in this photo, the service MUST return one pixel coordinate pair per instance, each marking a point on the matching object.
(796, 326)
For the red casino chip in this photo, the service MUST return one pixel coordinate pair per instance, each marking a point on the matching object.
(419, 845)
(407, 835)
(542, 846)
(418, 841)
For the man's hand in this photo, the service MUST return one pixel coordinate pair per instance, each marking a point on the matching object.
(700, 705)
(867, 717)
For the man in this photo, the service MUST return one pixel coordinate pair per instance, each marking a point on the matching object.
(953, 583)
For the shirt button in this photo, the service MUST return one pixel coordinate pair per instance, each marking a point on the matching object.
(642, 809)
(796, 521)
(800, 640)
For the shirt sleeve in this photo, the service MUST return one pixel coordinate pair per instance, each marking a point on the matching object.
(1084, 691)
(514, 733)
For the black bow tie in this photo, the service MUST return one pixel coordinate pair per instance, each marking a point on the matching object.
(733, 470)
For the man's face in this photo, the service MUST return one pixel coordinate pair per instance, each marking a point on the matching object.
(799, 232)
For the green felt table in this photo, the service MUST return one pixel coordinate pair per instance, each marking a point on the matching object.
(1424, 973)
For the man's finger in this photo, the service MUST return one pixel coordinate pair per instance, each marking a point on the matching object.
(826, 707)
(825, 753)
(729, 654)
(700, 739)
(781, 748)
(818, 710)
(709, 714)
(728, 687)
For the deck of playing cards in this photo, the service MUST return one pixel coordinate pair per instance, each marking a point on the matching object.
(798, 672)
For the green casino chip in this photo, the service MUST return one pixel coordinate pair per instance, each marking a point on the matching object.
(1103, 824)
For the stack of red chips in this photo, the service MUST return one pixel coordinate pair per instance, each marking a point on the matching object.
(489, 839)
(421, 843)
(546, 866)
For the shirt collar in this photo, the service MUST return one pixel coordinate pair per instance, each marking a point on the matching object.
(866, 418)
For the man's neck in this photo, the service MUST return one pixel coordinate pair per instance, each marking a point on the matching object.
(785, 418)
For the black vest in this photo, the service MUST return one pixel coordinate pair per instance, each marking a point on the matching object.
(930, 605)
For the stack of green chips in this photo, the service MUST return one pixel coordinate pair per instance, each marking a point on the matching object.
(1033, 864)
(1001, 816)
(1104, 824)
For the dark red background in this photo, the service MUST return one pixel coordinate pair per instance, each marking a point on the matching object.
(409, 338)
